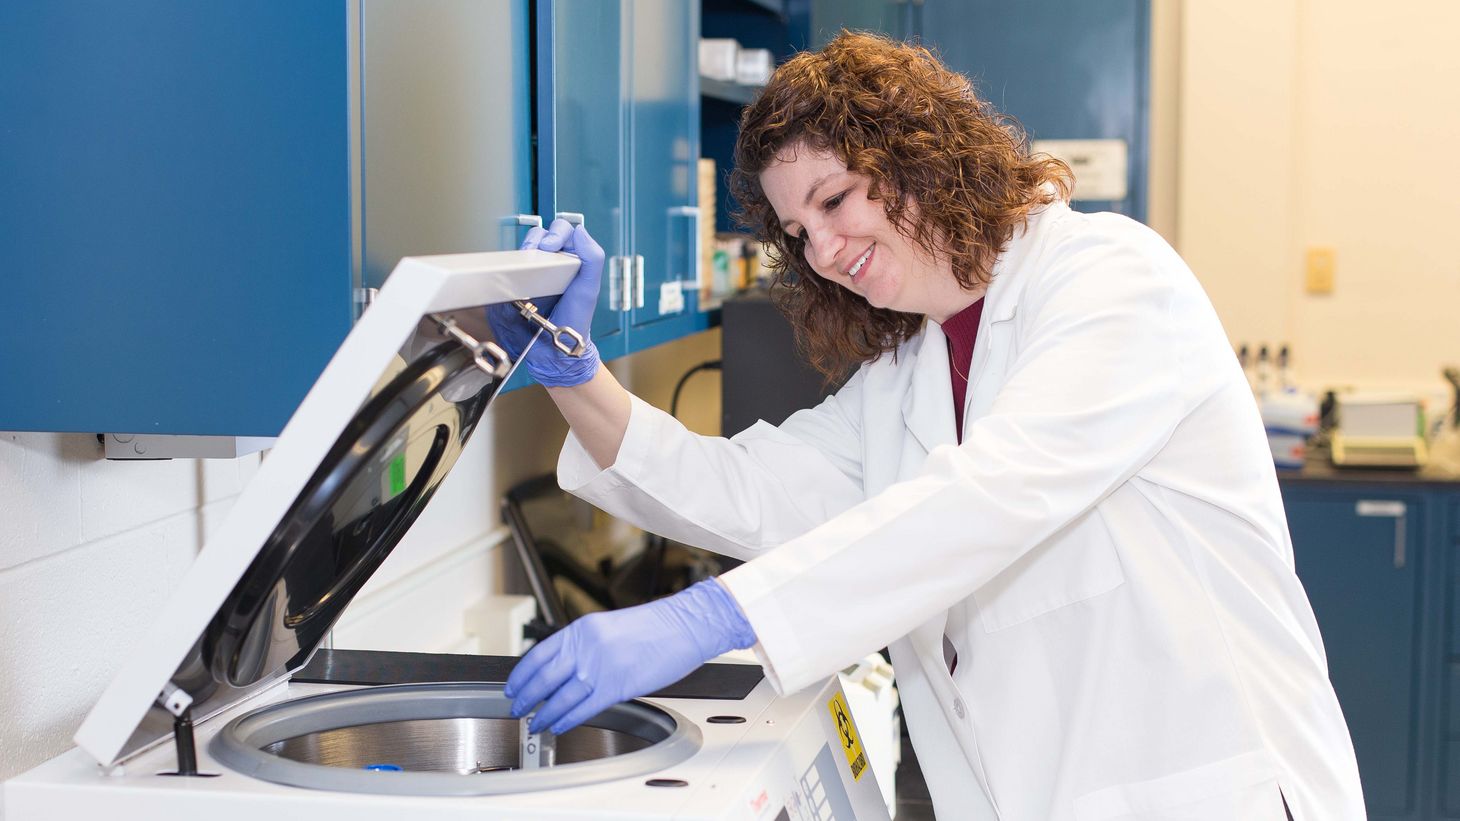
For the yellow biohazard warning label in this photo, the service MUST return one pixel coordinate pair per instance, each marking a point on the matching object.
(847, 734)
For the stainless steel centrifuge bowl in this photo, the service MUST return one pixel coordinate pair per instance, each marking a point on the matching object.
(447, 739)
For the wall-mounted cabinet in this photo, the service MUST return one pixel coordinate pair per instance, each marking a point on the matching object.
(1066, 71)
(195, 193)
(618, 140)
(197, 196)
(779, 26)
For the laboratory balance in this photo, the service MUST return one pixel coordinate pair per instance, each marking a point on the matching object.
(229, 710)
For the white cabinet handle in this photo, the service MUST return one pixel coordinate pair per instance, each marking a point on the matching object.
(620, 283)
(1387, 509)
(695, 245)
(638, 281)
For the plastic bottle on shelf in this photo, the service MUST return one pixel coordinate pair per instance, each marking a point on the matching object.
(1264, 372)
(1244, 358)
(1290, 415)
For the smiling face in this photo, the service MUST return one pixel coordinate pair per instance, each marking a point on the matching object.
(848, 239)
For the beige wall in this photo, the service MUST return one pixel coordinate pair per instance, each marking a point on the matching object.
(1298, 123)
(652, 374)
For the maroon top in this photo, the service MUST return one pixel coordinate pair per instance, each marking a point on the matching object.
(962, 331)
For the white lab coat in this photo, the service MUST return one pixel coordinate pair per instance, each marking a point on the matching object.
(1106, 551)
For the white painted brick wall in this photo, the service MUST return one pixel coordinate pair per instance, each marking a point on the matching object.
(89, 551)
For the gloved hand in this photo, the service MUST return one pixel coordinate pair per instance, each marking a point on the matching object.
(574, 309)
(605, 658)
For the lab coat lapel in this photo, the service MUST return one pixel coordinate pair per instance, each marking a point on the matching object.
(991, 355)
(927, 409)
(993, 352)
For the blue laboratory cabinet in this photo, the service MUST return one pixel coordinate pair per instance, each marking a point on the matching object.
(618, 141)
(1377, 557)
(193, 194)
(1065, 70)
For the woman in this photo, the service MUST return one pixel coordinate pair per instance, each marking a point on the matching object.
(1046, 487)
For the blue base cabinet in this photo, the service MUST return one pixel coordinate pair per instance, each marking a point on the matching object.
(1448, 727)
(1378, 563)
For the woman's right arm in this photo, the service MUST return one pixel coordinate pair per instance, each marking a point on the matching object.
(589, 397)
(597, 411)
(738, 496)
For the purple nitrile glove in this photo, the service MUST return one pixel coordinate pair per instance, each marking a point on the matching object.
(613, 656)
(574, 309)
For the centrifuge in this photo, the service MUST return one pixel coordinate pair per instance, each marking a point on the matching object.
(229, 709)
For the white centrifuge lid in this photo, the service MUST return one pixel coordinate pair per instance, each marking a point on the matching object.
(354, 466)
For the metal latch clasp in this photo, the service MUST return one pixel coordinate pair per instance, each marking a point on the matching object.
(488, 356)
(574, 344)
(564, 338)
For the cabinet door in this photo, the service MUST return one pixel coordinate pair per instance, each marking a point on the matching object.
(895, 18)
(583, 93)
(175, 224)
(1359, 557)
(664, 135)
(1067, 71)
(447, 128)
(1448, 749)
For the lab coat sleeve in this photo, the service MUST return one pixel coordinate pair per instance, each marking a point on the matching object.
(1093, 394)
(736, 496)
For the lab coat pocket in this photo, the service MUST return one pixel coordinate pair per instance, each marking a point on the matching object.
(1244, 786)
(1078, 563)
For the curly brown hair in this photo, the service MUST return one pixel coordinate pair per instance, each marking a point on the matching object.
(916, 130)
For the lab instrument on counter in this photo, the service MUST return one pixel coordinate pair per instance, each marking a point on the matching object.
(1380, 430)
(217, 716)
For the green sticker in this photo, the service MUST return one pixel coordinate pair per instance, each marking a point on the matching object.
(398, 475)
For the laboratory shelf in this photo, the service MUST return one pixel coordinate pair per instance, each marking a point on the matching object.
(754, 8)
(728, 92)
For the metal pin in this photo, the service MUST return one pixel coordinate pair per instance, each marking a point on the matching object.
(539, 750)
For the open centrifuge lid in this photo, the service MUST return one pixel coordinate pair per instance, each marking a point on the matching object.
(353, 468)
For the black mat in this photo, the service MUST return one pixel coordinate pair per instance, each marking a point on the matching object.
(371, 667)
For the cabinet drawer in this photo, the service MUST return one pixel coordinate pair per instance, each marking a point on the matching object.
(1450, 779)
(1449, 747)
(1452, 705)
(1454, 609)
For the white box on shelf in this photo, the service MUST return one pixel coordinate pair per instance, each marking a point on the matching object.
(753, 66)
(718, 58)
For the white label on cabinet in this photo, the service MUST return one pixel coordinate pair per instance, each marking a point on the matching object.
(671, 298)
(1388, 508)
(1100, 166)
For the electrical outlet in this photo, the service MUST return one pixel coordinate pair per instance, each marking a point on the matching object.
(1318, 277)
